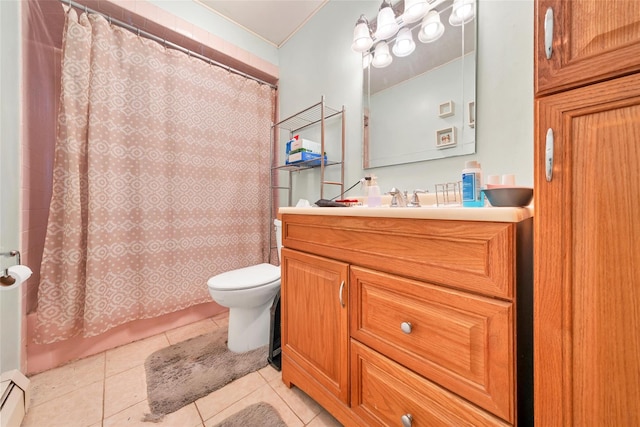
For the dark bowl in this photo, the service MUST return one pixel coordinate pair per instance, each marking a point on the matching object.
(509, 196)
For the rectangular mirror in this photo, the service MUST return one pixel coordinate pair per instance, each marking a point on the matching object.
(422, 106)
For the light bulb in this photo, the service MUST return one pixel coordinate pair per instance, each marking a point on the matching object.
(431, 28)
(404, 44)
(386, 23)
(414, 10)
(362, 40)
(381, 56)
(462, 12)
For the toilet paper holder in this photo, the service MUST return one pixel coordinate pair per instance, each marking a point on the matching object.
(6, 279)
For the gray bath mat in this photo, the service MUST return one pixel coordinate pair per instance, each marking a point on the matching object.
(259, 414)
(184, 372)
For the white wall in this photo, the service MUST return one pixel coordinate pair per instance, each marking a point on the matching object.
(10, 303)
(318, 60)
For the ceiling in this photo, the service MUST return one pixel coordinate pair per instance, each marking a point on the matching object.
(273, 20)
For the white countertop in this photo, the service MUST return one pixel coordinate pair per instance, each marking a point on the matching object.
(424, 212)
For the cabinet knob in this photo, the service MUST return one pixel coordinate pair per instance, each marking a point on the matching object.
(406, 327)
(407, 419)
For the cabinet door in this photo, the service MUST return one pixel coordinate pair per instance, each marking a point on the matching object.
(315, 332)
(587, 252)
(593, 40)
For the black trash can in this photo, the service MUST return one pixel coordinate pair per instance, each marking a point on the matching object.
(275, 350)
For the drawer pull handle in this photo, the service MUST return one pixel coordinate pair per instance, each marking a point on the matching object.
(548, 33)
(340, 292)
(548, 155)
(407, 419)
(406, 327)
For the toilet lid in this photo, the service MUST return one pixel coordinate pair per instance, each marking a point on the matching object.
(245, 278)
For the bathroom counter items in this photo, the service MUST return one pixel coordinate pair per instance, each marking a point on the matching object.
(393, 320)
(444, 213)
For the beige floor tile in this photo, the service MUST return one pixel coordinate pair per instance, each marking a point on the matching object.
(324, 419)
(270, 373)
(81, 407)
(187, 416)
(127, 356)
(124, 390)
(304, 407)
(112, 385)
(222, 319)
(263, 394)
(60, 381)
(222, 398)
(193, 330)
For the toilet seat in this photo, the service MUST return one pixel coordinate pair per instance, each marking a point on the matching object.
(245, 278)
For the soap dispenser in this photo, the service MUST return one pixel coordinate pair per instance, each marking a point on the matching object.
(374, 199)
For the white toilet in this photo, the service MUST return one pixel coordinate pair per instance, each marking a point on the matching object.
(249, 294)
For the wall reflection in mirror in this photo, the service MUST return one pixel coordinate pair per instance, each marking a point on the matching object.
(419, 62)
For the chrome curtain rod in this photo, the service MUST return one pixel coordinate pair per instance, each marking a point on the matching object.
(148, 35)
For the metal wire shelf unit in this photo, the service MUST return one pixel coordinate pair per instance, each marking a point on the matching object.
(316, 114)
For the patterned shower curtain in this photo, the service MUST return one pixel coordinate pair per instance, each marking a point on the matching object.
(160, 181)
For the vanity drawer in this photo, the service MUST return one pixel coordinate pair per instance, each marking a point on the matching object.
(460, 341)
(469, 255)
(383, 391)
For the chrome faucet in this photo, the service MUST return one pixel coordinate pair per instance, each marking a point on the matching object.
(399, 198)
(415, 199)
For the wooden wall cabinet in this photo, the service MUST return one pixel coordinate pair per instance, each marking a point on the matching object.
(591, 41)
(436, 315)
(587, 228)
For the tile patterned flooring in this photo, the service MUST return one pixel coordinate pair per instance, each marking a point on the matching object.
(110, 390)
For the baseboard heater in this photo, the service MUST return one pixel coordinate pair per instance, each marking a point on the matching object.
(15, 398)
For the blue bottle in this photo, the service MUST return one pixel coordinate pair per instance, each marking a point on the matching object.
(472, 195)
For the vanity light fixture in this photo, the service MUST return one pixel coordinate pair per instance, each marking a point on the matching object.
(414, 10)
(431, 28)
(387, 25)
(462, 12)
(362, 40)
(404, 44)
(381, 56)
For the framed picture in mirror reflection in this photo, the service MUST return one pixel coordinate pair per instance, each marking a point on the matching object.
(446, 137)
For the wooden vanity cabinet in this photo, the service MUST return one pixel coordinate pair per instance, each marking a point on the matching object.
(436, 315)
(592, 41)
